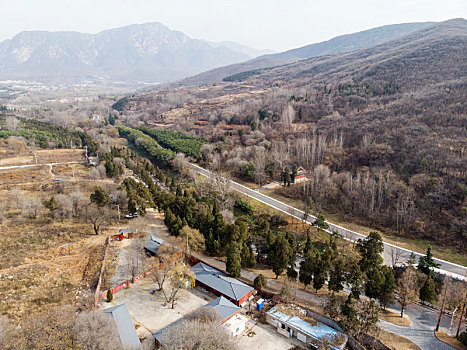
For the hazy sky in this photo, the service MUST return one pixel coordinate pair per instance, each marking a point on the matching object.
(263, 24)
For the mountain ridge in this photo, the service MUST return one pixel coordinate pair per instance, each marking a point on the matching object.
(158, 53)
(339, 44)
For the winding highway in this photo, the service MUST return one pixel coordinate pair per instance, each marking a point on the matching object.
(390, 250)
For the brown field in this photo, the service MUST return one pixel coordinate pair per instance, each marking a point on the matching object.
(46, 262)
(42, 156)
(394, 318)
(450, 340)
(396, 342)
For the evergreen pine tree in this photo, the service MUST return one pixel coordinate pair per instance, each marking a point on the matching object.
(428, 292)
(279, 255)
(305, 275)
(386, 293)
(337, 276)
(110, 296)
(427, 263)
(233, 260)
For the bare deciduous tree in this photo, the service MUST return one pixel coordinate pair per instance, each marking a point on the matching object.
(65, 206)
(7, 334)
(17, 144)
(95, 330)
(221, 184)
(3, 210)
(97, 216)
(180, 277)
(135, 257)
(193, 238)
(32, 205)
(78, 200)
(180, 162)
(408, 288)
(11, 123)
(52, 330)
(17, 196)
(287, 116)
(260, 159)
(197, 334)
(97, 172)
(396, 257)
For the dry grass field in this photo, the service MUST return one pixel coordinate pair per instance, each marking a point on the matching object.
(46, 260)
(42, 156)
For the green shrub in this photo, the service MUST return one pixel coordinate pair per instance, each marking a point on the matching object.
(110, 296)
(246, 207)
(463, 338)
(260, 282)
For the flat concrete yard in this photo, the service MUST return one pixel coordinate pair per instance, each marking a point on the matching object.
(265, 338)
(149, 312)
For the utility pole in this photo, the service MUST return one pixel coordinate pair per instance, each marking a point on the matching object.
(118, 210)
(442, 306)
(460, 319)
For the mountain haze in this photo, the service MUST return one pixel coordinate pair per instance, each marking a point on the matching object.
(148, 52)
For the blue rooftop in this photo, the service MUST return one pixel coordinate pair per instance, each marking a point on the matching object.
(215, 279)
(224, 307)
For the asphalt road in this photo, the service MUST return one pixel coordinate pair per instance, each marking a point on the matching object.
(446, 268)
(422, 324)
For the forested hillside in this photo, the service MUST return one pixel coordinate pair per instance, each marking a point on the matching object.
(382, 132)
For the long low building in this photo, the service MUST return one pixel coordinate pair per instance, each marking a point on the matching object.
(293, 322)
(222, 285)
(125, 327)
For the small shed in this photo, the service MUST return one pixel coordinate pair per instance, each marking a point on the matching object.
(155, 243)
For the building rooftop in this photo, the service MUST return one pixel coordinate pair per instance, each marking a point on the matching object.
(154, 243)
(127, 230)
(314, 329)
(215, 279)
(224, 307)
(125, 328)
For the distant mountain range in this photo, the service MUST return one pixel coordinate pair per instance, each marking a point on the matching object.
(153, 53)
(144, 52)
